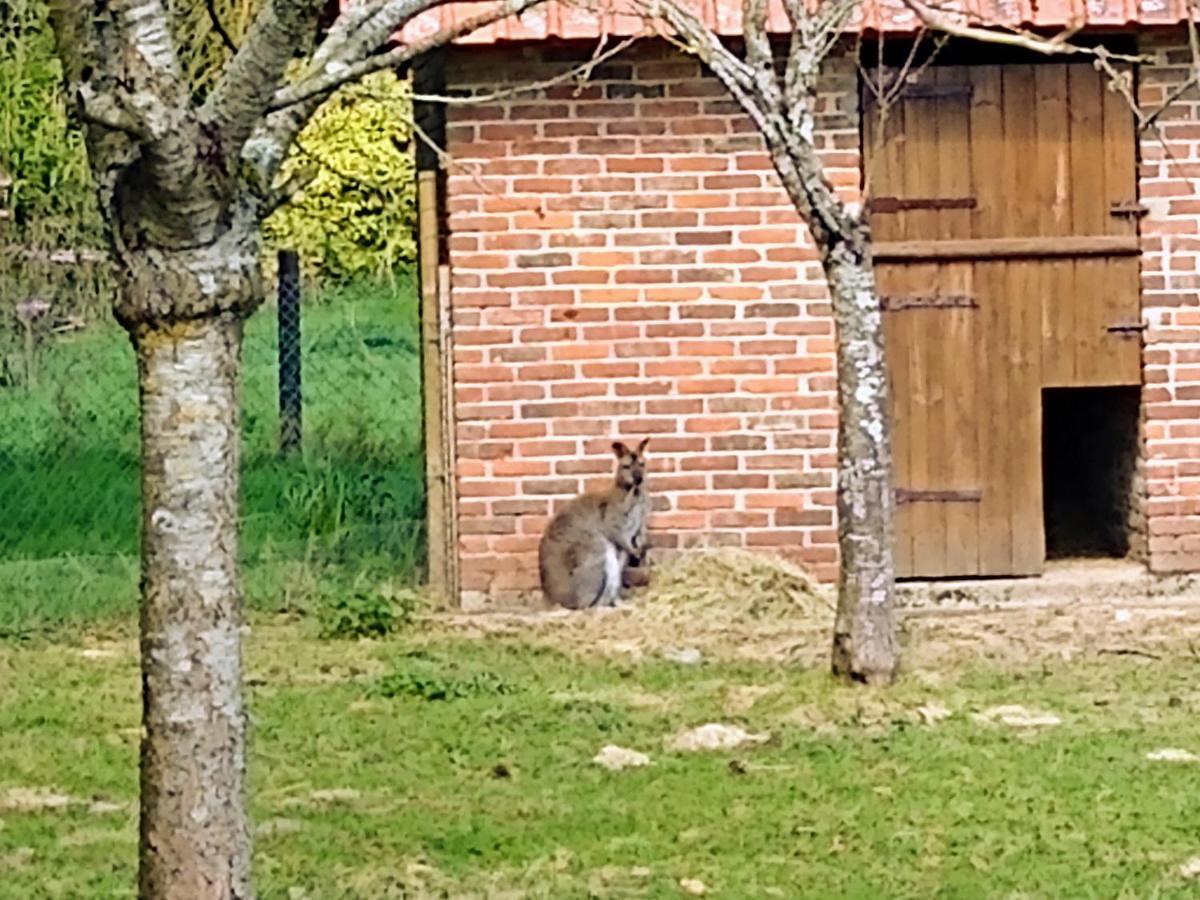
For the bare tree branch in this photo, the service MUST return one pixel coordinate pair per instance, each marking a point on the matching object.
(244, 90)
(121, 66)
(122, 49)
(362, 29)
(578, 73)
(285, 193)
(111, 110)
(219, 26)
(956, 24)
(758, 45)
(337, 71)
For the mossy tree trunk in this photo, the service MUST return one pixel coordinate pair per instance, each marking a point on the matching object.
(185, 176)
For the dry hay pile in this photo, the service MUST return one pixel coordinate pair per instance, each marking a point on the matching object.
(733, 585)
(721, 602)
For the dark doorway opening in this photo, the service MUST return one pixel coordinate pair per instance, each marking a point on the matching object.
(1089, 471)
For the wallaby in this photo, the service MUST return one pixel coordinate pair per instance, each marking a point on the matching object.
(584, 552)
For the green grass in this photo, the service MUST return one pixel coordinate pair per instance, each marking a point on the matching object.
(485, 785)
(352, 503)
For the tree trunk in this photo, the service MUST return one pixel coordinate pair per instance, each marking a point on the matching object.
(864, 635)
(195, 838)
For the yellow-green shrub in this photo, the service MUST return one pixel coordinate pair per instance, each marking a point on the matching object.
(357, 216)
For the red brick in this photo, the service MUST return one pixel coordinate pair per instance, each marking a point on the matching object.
(579, 351)
(638, 164)
(739, 367)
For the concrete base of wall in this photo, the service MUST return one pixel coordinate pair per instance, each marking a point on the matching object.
(1116, 583)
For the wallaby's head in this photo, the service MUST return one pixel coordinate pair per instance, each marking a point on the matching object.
(631, 464)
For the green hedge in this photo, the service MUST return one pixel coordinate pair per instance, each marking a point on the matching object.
(357, 217)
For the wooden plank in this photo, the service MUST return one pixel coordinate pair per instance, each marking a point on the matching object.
(1119, 161)
(897, 340)
(436, 391)
(931, 469)
(1089, 200)
(987, 224)
(450, 430)
(921, 179)
(1089, 206)
(920, 169)
(995, 533)
(928, 522)
(1008, 248)
(1120, 301)
(1023, 349)
(1052, 198)
(1090, 210)
(958, 405)
(885, 147)
(1024, 432)
(987, 146)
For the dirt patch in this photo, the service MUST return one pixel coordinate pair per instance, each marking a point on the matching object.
(336, 795)
(714, 736)
(1017, 717)
(278, 826)
(740, 605)
(615, 758)
(18, 858)
(1015, 638)
(739, 699)
(1172, 755)
(25, 800)
(630, 697)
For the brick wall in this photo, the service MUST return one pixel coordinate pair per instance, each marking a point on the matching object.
(625, 264)
(1170, 189)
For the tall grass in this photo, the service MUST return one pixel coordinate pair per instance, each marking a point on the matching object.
(349, 505)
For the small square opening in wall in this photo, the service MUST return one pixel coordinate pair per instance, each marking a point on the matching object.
(1089, 471)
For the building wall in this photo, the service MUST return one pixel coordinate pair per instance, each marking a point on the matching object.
(1170, 189)
(625, 264)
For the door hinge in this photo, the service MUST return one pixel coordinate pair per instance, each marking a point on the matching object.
(963, 496)
(914, 91)
(1128, 208)
(1126, 327)
(897, 302)
(905, 204)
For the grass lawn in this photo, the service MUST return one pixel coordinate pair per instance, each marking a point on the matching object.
(455, 761)
(351, 505)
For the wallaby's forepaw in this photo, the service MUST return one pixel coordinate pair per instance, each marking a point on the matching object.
(638, 577)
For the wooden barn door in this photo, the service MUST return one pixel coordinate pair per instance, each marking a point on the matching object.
(1003, 209)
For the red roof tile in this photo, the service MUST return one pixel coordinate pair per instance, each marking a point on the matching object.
(555, 20)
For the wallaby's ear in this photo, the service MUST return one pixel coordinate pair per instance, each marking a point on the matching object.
(642, 445)
(620, 450)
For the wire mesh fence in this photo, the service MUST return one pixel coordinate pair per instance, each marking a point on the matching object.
(332, 475)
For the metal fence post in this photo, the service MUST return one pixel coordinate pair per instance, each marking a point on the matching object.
(289, 351)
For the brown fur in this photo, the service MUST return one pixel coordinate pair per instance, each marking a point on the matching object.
(596, 535)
